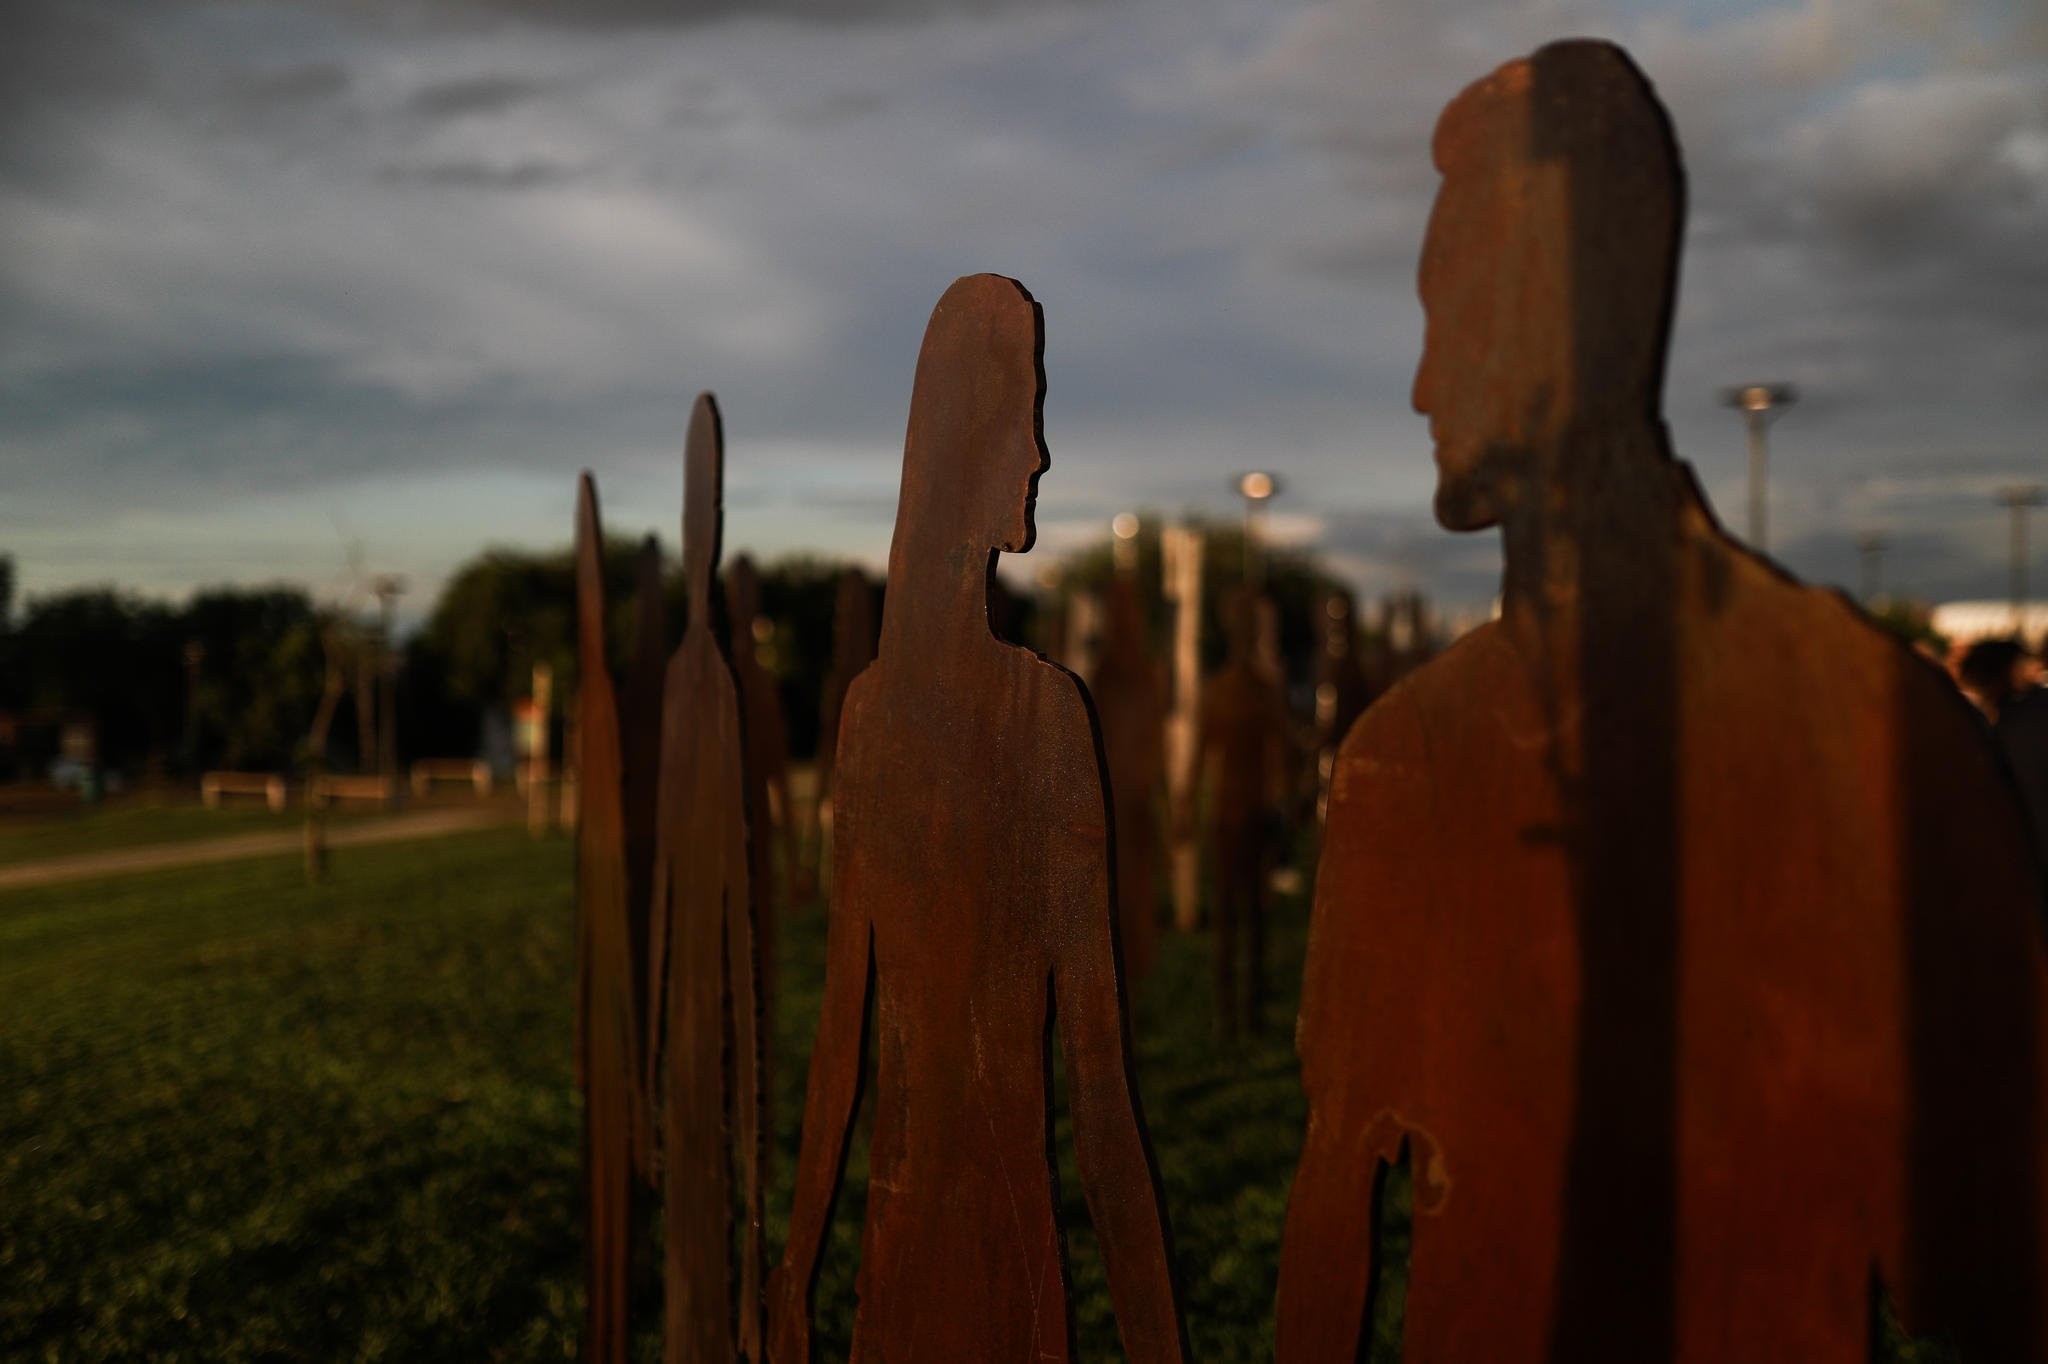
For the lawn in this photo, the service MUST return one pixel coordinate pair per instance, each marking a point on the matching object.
(251, 1120)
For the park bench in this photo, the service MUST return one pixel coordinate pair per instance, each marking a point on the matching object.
(214, 785)
(328, 789)
(427, 771)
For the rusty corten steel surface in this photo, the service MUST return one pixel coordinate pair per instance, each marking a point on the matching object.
(615, 1120)
(1130, 703)
(702, 954)
(1243, 749)
(1678, 921)
(640, 758)
(767, 747)
(971, 898)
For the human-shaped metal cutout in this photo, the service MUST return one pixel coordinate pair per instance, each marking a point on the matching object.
(1130, 702)
(616, 1138)
(971, 897)
(1677, 922)
(768, 823)
(1243, 753)
(702, 953)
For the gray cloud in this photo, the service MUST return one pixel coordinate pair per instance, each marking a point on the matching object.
(322, 253)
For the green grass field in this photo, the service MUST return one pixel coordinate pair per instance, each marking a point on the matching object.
(251, 1120)
(245, 1119)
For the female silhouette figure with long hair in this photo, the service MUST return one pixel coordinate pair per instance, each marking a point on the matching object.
(971, 897)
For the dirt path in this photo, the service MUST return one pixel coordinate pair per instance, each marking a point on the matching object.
(161, 856)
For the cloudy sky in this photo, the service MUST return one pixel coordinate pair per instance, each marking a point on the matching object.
(291, 285)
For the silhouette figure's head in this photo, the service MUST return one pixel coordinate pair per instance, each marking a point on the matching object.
(1241, 625)
(589, 570)
(1548, 273)
(975, 447)
(703, 504)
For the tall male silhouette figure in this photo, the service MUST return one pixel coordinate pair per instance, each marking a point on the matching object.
(616, 1136)
(1678, 922)
(971, 899)
(703, 1003)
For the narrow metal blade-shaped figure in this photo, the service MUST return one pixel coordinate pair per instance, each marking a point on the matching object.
(703, 999)
(971, 886)
(1678, 922)
(616, 1135)
(768, 824)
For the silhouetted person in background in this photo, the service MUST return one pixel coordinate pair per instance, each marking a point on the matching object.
(1995, 675)
(1243, 750)
(703, 999)
(971, 899)
(1130, 701)
(1677, 923)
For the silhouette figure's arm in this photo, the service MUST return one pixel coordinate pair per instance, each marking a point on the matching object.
(743, 988)
(1116, 1170)
(833, 1090)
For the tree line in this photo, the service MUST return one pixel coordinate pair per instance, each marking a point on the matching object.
(267, 678)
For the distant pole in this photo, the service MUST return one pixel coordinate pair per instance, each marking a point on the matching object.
(1871, 545)
(1257, 489)
(1757, 403)
(388, 587)
(2020, 500)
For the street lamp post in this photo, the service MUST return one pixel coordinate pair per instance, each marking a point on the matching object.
(1257, 489)
(1871, 545)
(1124, 548)
(1758, 403)
(2019, 501)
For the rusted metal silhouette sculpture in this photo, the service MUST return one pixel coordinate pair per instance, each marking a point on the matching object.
(768, 820)
(640, 767)
(971, 897)
(1242, 759)
(616, 1137)
(1342, 689)
(701, 952)
(1130, 702)
(1677, 922)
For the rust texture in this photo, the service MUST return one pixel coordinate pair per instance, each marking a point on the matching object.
(768, 822)
(1678, 922)
(701, 952)
(1244, 746)
(971, 898)
(616, 1138)
(1130, 702)
(640, 722)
